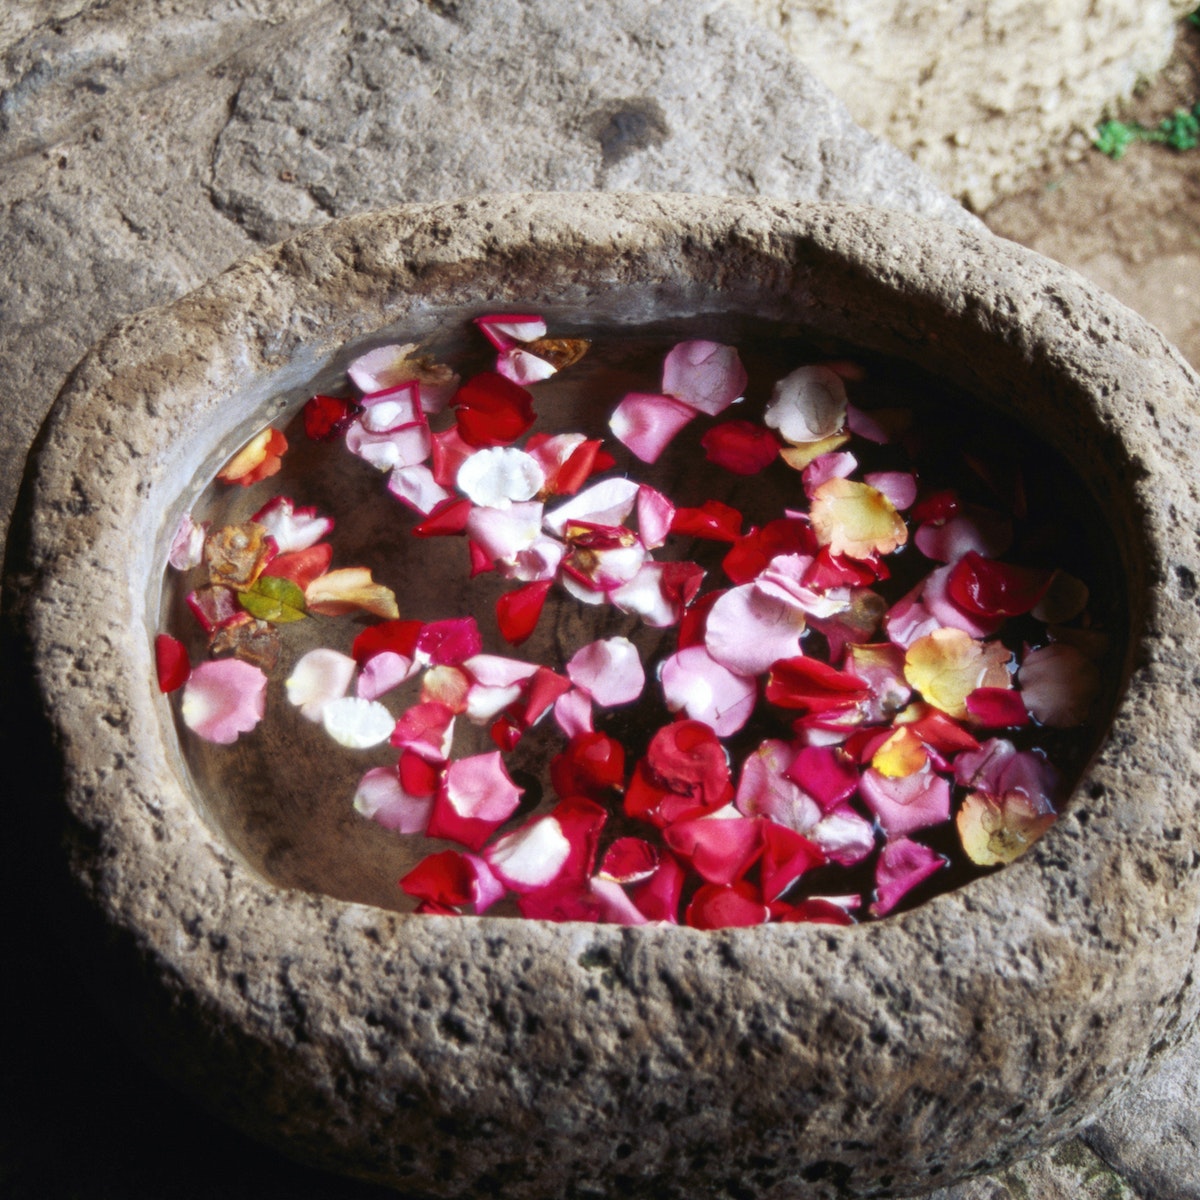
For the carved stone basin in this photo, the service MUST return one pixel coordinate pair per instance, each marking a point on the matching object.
(493, 1057)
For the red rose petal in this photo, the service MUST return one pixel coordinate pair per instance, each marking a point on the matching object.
(630, 860)
(712, 520)
(593, 764)
(586, 460)
(446, 519)
(492, 411)
(658, 898)
(721, 849)
(997, 708)
(301, 566)
(751, 554)
(171, 662)
(400, 637)
(326, 417)
(743, 447)
(517, 612)
(995, 589)
(786, 856)
(449, 642)
(716, 906)
(813, 686)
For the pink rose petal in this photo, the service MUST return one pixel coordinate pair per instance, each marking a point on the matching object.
(381, 798)
(573, 712)
(608, 502)
(427, 730)
(721, 846)
(764, 790)
(647, 423)
(187, 546)
(392, 408)
(902, 865)
(824, 774)
(522, 367)
(400, 448)
(609, 670)
(503, 533)
(382, 672)
(292, 528)
(476, 797)
(987, 533)
(223, 698)
(416, 487)
(503, 329)
(654, 513)
(907, 803)
(747, 630)
(706, 376)
(844, 836)
(693, 682)
(900, 487)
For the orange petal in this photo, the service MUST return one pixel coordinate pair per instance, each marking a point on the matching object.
(996, 830)
(856, 519)
(350, 589)
(947, 665)
(901, 755)
(257, 459)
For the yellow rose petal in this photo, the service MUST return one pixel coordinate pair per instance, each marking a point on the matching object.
(995, 831)
(901, 755)
(350, 589)
(947, 665)
(856, 519)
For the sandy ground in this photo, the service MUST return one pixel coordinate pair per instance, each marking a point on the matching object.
(1131, 225)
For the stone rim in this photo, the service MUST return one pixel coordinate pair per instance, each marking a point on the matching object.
(835, 1060)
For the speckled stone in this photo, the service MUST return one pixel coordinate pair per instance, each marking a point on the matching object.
(482, 1057)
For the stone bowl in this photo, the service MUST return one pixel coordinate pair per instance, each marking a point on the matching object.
(484, 1056)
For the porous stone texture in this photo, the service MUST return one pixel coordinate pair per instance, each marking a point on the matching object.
(146, 144)
(516, 1059)
(979, 93)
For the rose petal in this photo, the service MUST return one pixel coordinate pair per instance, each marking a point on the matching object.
(986, 532)
(492, 411)
(716, 906)
(988, 588)
(319, 677)
(903, 805)
(427, 730)
(646, 423)
(713, 521)
(382, 799)
(503, 533)
(706, 376)
(997, 708)
(629, 860)
(350, 589)
(520, 366)
(721, 847)
(844, 836)
(946, 666)
(1059, 685)
(453, 880)
(517, 612)
(807, 405)
(900, 487)
(823, 773)
(855, 519)
(503, 329)
(223, 699)
(999, 829)
(813, 686)
(608, 502)
(258, 459)
(740, 446)
(406, 447)
(449, 642)
(187, 546)
(497, 476)
(654, 515)
(902, 865)
(382, 672)
(171, 662)
(786, 856)
(609, 670)
(327, 417)
(693, 682)
(747, 630)
(392, 408)
(573, 713)
(475, 798)
(416, 487)
(764, 790)
(356, 723)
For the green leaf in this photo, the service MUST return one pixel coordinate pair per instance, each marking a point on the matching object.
(271, 598)
(1113, 138)
(1182, 130)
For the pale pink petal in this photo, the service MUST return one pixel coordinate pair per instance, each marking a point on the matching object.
(696, 684)
(643, 596)
(553, 452)
(484, 704)
(881, 668)
(1059, 685)
(498, 476)
(381, 798)
(318, 678)
(478, 787)
(573, 713)
(538, 561)
(706, 376)
(837, 464)
(998, 767)
(356, 723)
(902, 865)
(609, 568)
(646, 423)
(582, 588)
(608, 502)
(386, 366)
(393, 408)
(522, 367)
(862, 423)
(187, 546)
(292, 528)
(765, 791)
(531, 857)
(846, 837)
(807, 406)
(747, 630)
(654, 513)
(503, 329)
(382, 672)
(907, 803)
(782, 578)
(223, 698)
(900, 487)
(616, 908)
(488, 889)
(609, 670)
(909, 620)
(978, 529)
(416, 487)
(502, 533)
(497, 670)
(400, 448)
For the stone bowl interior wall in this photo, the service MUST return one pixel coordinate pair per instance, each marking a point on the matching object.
(452, 1057)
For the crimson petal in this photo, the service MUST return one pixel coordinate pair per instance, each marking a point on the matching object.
(813, 686)
(717, 906)
(171, 661)
(740, 446)
(712, 520)
(492, 410)
(995, 589)
(517, 612)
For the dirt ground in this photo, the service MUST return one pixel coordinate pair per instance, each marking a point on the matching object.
(1132, 225)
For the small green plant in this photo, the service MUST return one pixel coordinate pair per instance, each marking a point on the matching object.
(1180, 131)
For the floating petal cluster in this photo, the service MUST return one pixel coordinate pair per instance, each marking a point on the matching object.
(825, 741)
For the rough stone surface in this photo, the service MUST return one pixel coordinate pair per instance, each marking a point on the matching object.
(978, 94)
(366, 1041)
(145, 144)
